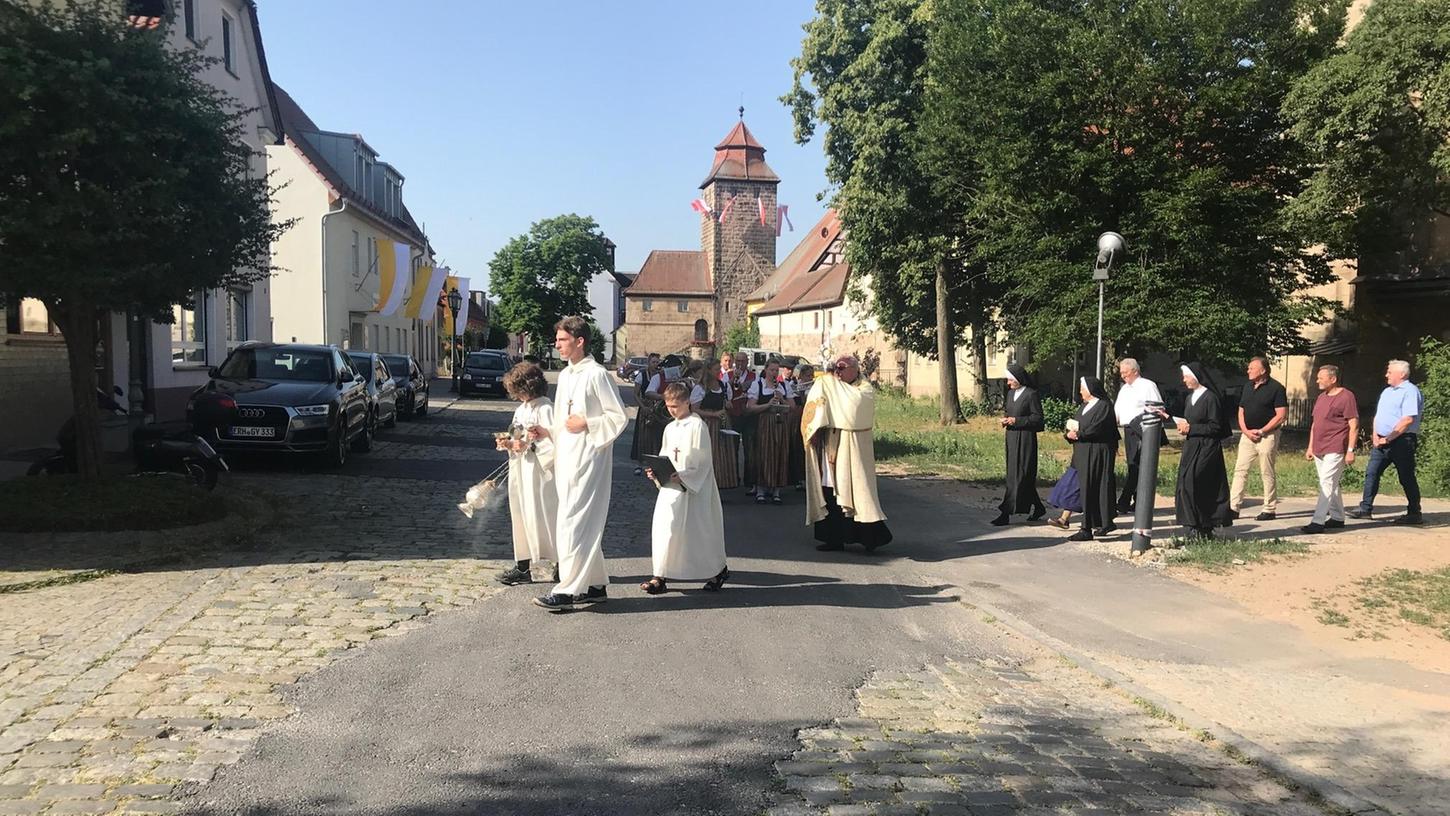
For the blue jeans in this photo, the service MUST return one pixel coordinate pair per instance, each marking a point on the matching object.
(1401, 454)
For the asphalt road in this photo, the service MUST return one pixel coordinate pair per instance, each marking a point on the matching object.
(671, 704)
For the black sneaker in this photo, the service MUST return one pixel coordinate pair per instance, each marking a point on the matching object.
(1267, 515)
(1313, 527)
(556, 602)
(1106, 529)
(595, 595)
(513, 576)
(1333, 524)
(1081, 535)
(1409, 518)
(1359, 513)
(1037, 513)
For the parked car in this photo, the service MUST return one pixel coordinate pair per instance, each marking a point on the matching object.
(382, 391)
(759, 357)
(412, 385)
(483, 371)
(284, 397)
(632, 365)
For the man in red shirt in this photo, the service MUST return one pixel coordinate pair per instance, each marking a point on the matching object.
(1331, 446)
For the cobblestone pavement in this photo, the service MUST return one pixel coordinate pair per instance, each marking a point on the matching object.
(986, 737)
(115, 691)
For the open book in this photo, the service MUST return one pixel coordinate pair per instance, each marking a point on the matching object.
(662, 468)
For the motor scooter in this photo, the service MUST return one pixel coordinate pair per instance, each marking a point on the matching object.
(156, 449)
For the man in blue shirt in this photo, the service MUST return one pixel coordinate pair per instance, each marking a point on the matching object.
(1396, 432)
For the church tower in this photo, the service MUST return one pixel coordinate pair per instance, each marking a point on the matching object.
(739, 249)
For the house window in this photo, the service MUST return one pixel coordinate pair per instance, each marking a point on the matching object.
(372, 254)
(815, 320)
(228, 59)
(188, 333)
(373, 338)
(238, 313)
(188, 15)
(682, 305)
(357, 170)
(356, 260)
(647, 304)
(35, 318)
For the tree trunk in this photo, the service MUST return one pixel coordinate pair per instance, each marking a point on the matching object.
(946, 351)
(77, 322)
(979, 364)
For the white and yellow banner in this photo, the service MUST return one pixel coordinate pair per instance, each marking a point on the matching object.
(395, 270)
(461, 284)
(423, 299)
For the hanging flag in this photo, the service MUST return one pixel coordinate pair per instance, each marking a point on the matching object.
(450, 283)
(782, 218)
(394, 273)
(725, 211)
(700, 206)
(425, 293)
(760, 206)
(463, 309)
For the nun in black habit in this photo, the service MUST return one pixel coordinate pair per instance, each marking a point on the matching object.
(1021, 422)
(1094, 447)
(1201, 497)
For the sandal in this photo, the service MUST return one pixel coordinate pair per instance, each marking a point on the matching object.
(653, 586)
(775, 500)
(760, 499)
(714, 584)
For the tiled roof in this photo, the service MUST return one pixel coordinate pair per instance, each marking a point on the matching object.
(672, 272)
(740, 157)
(296, 123)
(807, 255)
(820, 288)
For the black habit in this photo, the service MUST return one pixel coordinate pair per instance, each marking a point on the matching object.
(1093, 453)
(1201, 497)
(1021, 496)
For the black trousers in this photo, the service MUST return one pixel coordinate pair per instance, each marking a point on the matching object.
(1132, 452)
(837, 530)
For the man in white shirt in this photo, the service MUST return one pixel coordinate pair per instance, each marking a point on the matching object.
(1135, 391)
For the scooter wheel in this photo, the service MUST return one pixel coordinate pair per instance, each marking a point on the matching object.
(201, 475)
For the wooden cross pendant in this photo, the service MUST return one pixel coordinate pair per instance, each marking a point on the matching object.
(570, 410)
(677, 454)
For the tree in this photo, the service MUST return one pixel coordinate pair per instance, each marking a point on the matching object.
(125, 183)
(863, 72)
(1157, 120)
(1376, 118)
(543, 275)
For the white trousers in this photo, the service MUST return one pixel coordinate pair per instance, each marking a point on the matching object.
(1330, 467)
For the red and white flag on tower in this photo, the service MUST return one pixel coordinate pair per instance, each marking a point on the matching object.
(700, 206)
(725, 211)
(760, 206)
(782, 218)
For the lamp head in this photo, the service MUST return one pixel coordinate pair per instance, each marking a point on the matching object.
(455, 300)
(1110, 246)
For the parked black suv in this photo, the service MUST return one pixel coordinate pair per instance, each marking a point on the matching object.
(290, 398)
(483, 371)
(412, 385)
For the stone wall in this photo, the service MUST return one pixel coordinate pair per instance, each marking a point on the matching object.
(664, 328)
(740, 253)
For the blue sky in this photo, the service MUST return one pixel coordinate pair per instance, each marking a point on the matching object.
(500, 114)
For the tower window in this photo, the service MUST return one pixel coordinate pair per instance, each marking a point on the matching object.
(682, 305)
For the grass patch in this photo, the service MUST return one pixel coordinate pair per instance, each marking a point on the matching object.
(1391, 599)
(69, 504)
(1219, 554)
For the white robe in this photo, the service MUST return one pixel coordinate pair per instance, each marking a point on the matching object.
(583, 472)
(688, 532)
(533, 501)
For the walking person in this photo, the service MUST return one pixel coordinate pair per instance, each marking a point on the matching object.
(1094, 447)
(1021, 422)
(1396, 435)
(1332, 435)
(1134, 396)
(708, 401)
(533, 501)
(770, 402)
(687, 534)
(1201, 497)
(805, 375)
(589, 417)
(1261, 413)
(841, 499)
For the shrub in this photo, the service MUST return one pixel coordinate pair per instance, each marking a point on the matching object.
(1055, 413)
(1434, 452)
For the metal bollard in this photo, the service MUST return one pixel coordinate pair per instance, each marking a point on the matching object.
(1147, 483)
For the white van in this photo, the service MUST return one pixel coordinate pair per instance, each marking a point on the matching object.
(759, 357)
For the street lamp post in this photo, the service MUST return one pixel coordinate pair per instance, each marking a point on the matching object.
(455, 302)
(1110, 245)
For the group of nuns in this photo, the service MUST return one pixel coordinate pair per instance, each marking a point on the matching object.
(1088, 486)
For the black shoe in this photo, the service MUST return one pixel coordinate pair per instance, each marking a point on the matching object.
(1233, 515)
(1312, 528)
(513, 576)
(1105, 530)
(1267, 515)
(1123, 510)
(1334, 524)
(1359, 513)
(595, 595)
(1081, 535)
(1201, 532)
(1000, 521)
(1037, 512)
(556, 602)
(828, 547)
(1409, 518)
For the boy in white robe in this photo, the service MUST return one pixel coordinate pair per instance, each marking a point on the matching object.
(533, 501)
(688, 532)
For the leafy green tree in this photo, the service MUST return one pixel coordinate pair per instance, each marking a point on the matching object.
(863, 72)
(125, 183)
(1059, 121)
(543, 275)
(741, 335)
(1376, 117)
(1433, 362)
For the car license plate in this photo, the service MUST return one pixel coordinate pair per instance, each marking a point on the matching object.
(255, 432)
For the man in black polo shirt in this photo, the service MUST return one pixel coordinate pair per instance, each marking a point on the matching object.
(1261, 417)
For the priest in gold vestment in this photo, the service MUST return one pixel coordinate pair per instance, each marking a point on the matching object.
(836, 422)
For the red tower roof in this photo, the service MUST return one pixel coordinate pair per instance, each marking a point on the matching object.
(739, 157)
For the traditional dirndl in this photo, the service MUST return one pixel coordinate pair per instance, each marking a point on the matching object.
(772, 447)
(725, 447)
(1067, 494)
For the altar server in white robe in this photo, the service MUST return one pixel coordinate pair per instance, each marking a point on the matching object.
(588, 417)
(688, 532)
(533, 501)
